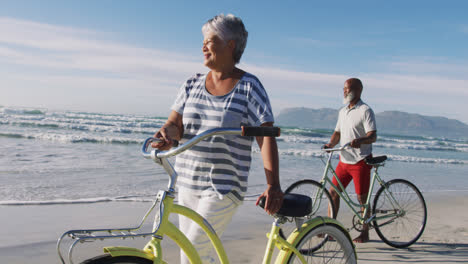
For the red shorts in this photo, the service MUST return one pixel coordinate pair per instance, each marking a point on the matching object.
(359, 172)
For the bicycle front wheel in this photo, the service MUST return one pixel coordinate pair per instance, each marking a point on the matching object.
(402, 212)
(337, 249)
(108, 259)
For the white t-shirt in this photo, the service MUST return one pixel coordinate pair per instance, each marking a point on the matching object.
(354, 123)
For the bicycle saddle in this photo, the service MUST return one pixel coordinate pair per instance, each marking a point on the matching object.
(375, 160)
(294, 205)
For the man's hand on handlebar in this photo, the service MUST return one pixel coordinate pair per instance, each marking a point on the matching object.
(356, 143)
(327, 146)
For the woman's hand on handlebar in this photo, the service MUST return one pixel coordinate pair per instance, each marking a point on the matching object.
(165, 141)
(170, 132)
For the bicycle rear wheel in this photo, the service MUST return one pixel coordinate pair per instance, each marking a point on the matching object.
(108, 259)
(410, 213)
(338, 249)
(321, 201)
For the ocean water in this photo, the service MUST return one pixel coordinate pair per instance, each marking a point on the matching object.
(60, 157)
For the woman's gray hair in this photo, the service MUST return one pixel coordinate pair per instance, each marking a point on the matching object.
(228, 28)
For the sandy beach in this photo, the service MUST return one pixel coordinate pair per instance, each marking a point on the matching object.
(29, 233)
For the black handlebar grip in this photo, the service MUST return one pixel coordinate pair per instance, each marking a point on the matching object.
(261, 131)
(262, 202)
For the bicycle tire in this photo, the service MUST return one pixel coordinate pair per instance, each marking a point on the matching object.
(309, 187)
(401, 231)
(340, 250)
(108, 259)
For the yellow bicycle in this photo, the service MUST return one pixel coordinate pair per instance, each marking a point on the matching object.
(317, 240)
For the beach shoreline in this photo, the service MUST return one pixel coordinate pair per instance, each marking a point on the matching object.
(30, 232)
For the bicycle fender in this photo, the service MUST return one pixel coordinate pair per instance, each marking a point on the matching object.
(284, 254)
(128, 251)
(316, 221)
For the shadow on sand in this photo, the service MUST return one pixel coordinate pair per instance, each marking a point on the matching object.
(426, 252)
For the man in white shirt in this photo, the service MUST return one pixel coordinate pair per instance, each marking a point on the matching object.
(356, 125)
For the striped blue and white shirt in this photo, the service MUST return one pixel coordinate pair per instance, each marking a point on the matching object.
(220, 163)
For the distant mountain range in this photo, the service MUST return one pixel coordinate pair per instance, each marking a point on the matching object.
(388, 122)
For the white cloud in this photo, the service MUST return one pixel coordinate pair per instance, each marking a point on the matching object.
(43, 45)
(419, 84)
(429, 66)
(63, 66)
(318, 83)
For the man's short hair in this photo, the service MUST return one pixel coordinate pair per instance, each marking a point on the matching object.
(355, 83)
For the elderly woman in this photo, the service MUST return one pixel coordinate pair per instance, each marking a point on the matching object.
(213, 175)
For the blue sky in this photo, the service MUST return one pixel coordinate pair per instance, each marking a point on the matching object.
(132, 56)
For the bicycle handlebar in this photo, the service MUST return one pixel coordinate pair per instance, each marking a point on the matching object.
(337, 149)
(243, 131)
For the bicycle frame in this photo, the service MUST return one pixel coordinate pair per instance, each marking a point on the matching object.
(167, 228)
(345, 196)
(153, 250)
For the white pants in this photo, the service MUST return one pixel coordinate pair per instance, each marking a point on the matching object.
(218, 213)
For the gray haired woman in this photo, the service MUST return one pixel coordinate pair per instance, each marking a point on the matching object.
(213, 175)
